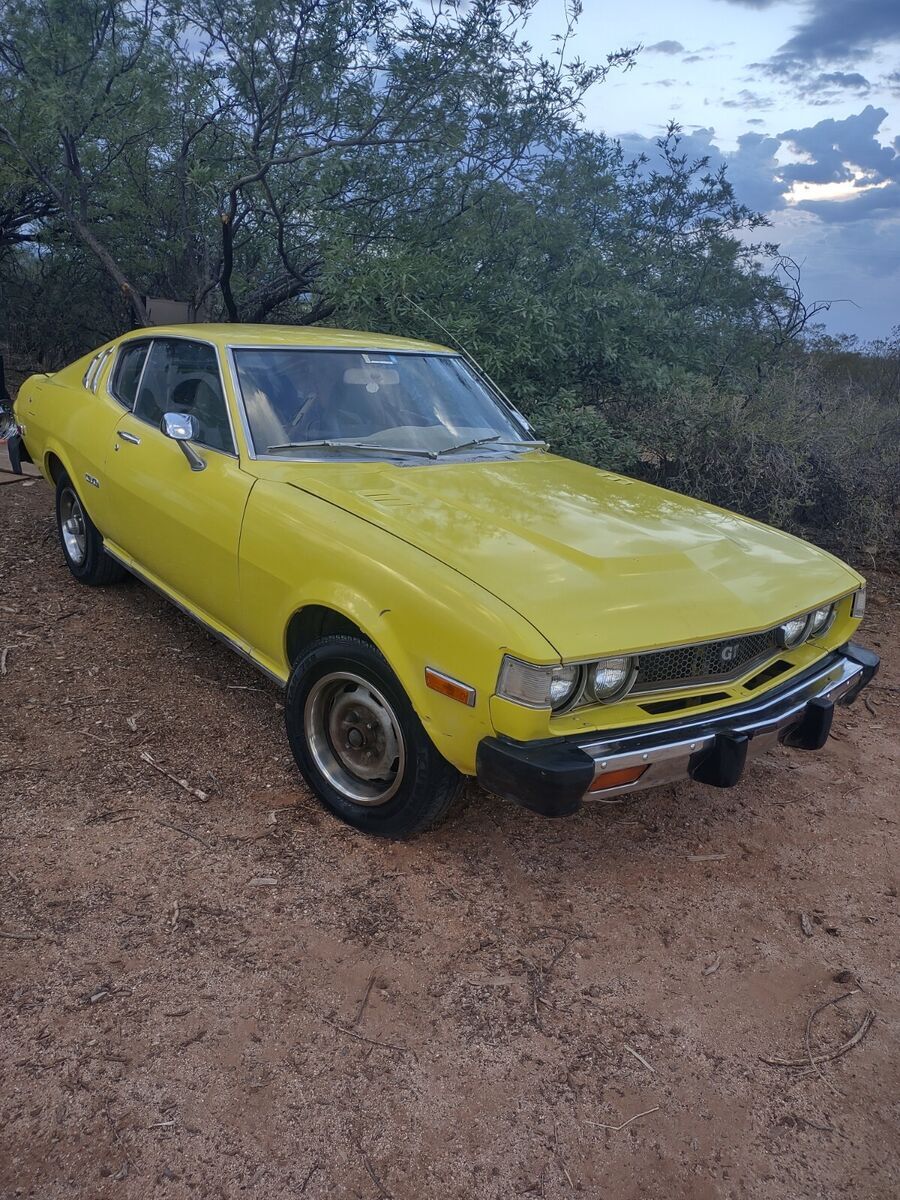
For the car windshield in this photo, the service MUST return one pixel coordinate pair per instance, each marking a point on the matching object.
(370, 400)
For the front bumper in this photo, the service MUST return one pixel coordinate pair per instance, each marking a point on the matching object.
(554, 777)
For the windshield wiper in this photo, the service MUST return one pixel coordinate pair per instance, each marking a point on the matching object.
(495, 440)
(333, 445)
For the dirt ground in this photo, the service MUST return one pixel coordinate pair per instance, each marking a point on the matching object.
(238, 995)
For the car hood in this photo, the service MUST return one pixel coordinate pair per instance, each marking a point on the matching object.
(597, 562)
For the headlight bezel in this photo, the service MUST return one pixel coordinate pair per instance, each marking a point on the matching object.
(817, 629)
(629, 675)
(568, 698)
(530, 684)
(804, 621)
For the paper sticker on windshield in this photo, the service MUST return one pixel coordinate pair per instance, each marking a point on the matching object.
(379, 360)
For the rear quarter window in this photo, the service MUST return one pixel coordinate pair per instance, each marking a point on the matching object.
(127, 372)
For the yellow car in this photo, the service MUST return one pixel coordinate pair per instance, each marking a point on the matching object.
(370, 522)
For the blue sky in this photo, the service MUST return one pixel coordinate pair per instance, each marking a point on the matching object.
(801, 98)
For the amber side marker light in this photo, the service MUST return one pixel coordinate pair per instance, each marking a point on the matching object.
(449, 687)
(611, 779)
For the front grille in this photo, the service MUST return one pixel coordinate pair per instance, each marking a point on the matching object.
(706, 662)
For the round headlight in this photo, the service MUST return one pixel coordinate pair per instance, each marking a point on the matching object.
(821, 619)
(563, 683)
(611, 678)
(792, 632)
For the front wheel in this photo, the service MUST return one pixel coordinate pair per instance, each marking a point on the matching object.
(359, 743)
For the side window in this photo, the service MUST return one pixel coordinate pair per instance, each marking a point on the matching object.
(127, 373)
(183, 376)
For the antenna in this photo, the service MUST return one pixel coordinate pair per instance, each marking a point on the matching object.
(471, 360)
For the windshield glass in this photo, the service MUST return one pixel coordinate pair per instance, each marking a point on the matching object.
(426, 403)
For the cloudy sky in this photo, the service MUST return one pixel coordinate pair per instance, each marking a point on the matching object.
(800, 97)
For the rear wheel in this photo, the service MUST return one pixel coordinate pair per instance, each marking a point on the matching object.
(82, 545)
(359, 743)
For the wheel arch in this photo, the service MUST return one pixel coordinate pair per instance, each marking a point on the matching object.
(54, 467)
(342, 610)
(314, 621)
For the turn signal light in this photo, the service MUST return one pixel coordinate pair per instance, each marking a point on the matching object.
(449, 687)
(613, 779)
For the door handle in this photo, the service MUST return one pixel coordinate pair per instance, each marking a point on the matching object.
(129, 437)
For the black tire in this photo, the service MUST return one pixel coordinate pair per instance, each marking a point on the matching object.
(81, 543)
(329, 689)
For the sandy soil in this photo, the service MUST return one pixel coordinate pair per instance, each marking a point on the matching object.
(238, 995)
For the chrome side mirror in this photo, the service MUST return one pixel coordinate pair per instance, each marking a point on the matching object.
(183, 429)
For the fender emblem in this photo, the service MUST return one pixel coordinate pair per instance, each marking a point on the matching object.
(92, 481)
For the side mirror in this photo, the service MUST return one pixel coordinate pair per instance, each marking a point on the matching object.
(183, 428)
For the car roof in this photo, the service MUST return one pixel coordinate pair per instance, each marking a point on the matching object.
(318, 337)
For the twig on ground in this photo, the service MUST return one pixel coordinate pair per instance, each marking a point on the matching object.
(231, 687)
(813, 1125)
(565, 1171)
(20, 937)
(186, 832)
(182, 783)
(97, 737)
(4, 654)
(382, 1190)
(111, 816)
(370, 1041)
(309, 1174)
(117, 1139)
(808, 1035)
(365, 999)
(813, 1059)
(559, 1158)
(639, 1057)
(712, 967)
(616, 1128)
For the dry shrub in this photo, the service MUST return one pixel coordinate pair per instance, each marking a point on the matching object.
(803, 452)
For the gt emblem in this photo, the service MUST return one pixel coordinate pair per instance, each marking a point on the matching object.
(727, 653)
(92, 481)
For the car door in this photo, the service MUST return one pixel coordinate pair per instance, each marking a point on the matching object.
(180, 526)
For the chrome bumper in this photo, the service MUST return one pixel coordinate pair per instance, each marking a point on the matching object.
(555, 777)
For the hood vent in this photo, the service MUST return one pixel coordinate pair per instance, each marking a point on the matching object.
(386, 499)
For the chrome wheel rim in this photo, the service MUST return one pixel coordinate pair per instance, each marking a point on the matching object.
(72, 527)
(354, 738)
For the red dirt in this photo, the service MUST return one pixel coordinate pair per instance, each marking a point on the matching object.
(244, 996)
